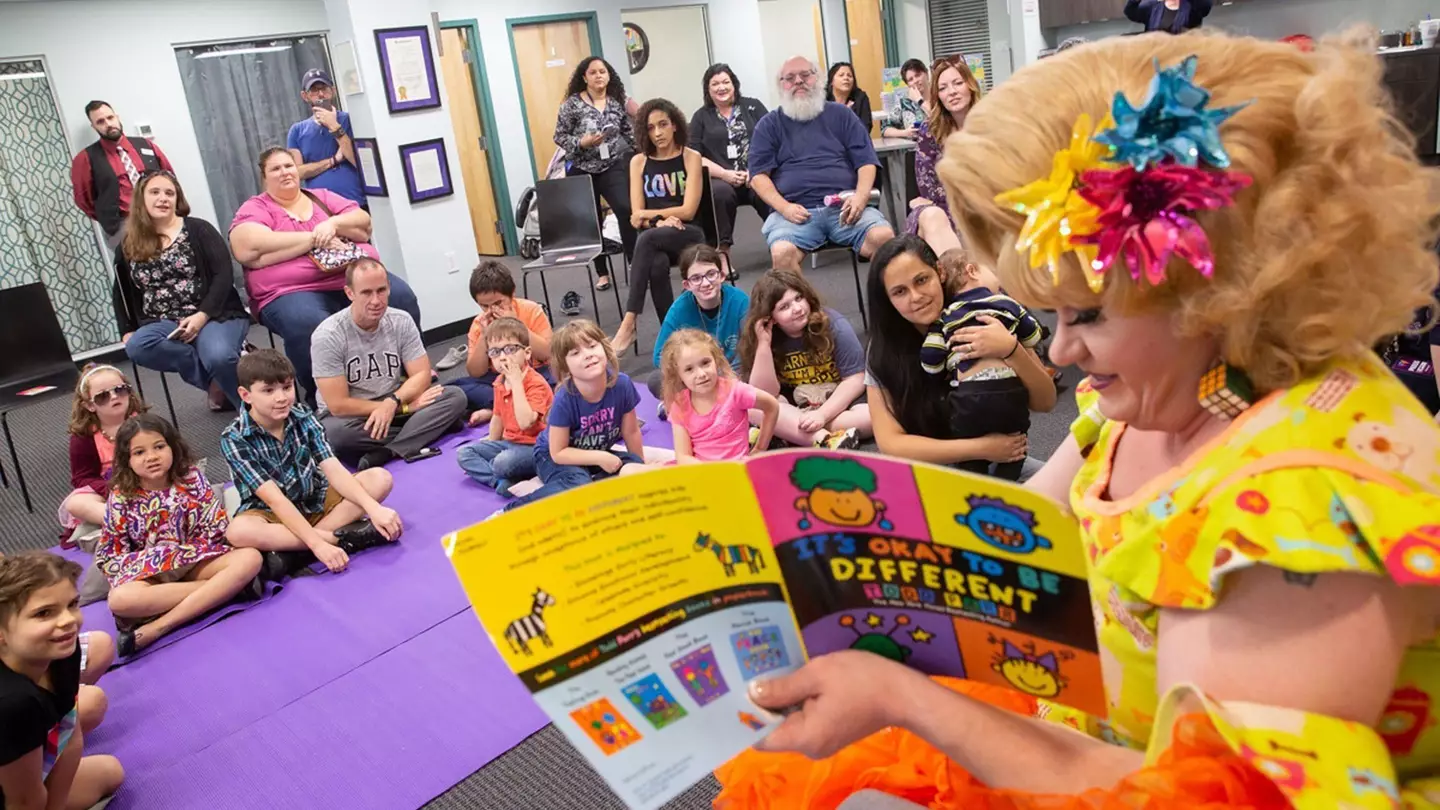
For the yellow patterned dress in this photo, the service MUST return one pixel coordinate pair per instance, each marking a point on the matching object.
(1339, 473)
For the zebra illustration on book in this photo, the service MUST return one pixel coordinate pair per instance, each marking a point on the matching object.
(730, 556)
(531, 626)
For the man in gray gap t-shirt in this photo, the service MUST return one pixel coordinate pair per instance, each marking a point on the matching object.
(372, 377)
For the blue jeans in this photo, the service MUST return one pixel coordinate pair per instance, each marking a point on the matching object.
(823, 226)
(295, 315)
(556, 478)
(480, 391)
(497, 464)
(212, 355)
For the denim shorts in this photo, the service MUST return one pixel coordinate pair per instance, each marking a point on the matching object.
(823, 226)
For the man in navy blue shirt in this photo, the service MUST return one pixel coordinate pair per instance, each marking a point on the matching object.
(323, 145)
(803, 152)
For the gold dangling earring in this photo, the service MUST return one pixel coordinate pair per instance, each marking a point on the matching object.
(1225, 391)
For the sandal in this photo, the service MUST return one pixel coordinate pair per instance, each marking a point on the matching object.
(603, 284)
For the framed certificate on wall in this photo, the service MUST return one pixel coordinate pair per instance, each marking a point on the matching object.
(372, 171)
(408, 67)
(427, 170)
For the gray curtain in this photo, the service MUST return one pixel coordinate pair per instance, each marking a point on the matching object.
(43, 236)
(243, 98)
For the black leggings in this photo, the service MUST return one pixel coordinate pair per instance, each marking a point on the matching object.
(984, 407)
(614, 185)
(728, 200)
(655, 251)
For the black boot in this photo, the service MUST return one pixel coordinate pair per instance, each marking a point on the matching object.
(359, 536)
(278, 565)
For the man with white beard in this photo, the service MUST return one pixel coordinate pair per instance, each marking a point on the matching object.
(803, 152)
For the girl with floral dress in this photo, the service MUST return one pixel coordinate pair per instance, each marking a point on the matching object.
(163, 545)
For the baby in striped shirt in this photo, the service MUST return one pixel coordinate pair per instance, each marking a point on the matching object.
(986, 395)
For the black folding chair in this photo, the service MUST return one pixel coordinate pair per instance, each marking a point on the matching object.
(35, 362)
(569, 235)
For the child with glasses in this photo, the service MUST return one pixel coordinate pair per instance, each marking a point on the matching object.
(522, 399)
(493, 289)
(104, 399)
(708, 304)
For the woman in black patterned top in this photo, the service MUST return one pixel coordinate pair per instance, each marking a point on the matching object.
(597, 136)
(720, 132)
(175, 299)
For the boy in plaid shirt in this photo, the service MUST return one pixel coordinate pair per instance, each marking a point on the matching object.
(298, 503)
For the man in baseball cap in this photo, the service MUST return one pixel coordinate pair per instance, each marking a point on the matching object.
(323, 144)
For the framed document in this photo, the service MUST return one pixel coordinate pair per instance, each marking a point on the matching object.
(372, 172)
(408, 68)
(427, 170)
(347, 70)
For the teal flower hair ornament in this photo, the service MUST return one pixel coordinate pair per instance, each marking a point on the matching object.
(1174, 122)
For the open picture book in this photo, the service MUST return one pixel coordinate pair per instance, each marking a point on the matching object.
(636, 610)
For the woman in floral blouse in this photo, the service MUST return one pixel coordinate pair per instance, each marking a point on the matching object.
(163, 545)
(596, 134)
(175, 301)
(952, 94)
(914, 105)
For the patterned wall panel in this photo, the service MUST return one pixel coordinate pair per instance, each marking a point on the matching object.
(43, 237)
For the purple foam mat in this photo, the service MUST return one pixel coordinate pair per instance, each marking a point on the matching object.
(393, 733)
(320, 694)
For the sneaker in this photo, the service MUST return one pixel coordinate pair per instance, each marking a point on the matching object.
(840, 440)
(662, 413)
(359, 536)
(252, 592)
(570, 303)
(452, 358)
(375, 458)
(754, 435)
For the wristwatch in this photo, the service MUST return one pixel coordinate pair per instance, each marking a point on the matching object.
(398, 404)
(337, 133)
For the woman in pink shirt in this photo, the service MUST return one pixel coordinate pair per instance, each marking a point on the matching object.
(274, 235)
(710, 410)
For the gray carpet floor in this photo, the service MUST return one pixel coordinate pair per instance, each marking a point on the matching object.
(544, 771)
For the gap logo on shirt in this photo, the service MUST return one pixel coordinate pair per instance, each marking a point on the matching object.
(370, 366)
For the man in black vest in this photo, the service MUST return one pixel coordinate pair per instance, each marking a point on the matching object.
(106, 172)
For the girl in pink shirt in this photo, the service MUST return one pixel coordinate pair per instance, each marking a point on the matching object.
(710, 410)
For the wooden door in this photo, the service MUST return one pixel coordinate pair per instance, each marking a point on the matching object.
(471, 141)
(547, 54)
(867, 48)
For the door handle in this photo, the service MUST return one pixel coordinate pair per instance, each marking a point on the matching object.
(484, 143)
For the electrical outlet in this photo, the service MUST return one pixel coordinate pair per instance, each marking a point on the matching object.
(450, 265)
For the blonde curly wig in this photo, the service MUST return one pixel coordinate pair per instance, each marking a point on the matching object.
(1328, 252)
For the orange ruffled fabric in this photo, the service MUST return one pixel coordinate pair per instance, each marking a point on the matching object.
(1198, 772)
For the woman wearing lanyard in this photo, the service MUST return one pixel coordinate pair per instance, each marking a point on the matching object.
(595, 132)
(720, 132)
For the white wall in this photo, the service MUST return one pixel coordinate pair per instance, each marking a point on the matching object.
(913, 37)
(787, 28)
(122, 51)
(1273, 19)
(679, 55)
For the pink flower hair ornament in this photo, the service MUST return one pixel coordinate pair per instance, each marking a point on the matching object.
(1121, 193)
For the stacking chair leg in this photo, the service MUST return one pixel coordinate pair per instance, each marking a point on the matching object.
(169, 403)
(859, 291)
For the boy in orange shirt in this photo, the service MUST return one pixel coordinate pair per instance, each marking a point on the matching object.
(521, 400)
(493, 289)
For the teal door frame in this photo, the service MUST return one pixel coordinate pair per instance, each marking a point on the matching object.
(889, 23)
(493, 157)
(592, 25)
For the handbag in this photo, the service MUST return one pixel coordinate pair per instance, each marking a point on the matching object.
(334, 259)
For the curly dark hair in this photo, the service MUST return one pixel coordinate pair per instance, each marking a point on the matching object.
(123, 477)
(764, 296)
(642, 125)
(615, 89)
(710, 73)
